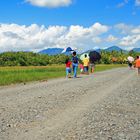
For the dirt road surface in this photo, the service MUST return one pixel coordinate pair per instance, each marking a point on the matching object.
(102, 106)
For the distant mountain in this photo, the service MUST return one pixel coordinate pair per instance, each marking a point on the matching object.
(52, 51)
(136, 49)
(110, 49)
(114, 48)
(55, 51)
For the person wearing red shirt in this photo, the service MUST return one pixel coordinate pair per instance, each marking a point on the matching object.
(68, 68)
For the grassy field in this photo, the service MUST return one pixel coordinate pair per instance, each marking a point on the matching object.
(13, 75)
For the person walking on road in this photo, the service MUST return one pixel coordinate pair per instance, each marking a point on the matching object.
(92, 66)
(130, 61)
(137, 64)
(86, 64)
(68, 68)
(74, 64)
(81, 68)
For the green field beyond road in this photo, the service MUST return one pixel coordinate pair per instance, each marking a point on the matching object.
(13, 75)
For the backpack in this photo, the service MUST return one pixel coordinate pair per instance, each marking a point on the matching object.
(75, 60)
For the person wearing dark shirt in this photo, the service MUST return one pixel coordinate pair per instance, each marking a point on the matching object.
(74, 64)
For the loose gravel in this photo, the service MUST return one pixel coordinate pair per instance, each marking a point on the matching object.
(102, 106)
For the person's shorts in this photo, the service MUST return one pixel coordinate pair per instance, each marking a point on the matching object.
(139, 70)
(68, 70)
(85, 68)
(130, 64)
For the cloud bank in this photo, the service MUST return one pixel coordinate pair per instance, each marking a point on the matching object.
(49, 3)
(14, 37)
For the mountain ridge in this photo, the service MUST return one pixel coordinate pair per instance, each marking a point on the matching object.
(55, 51)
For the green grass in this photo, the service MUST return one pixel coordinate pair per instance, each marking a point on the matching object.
(107, 67)
(13, 75)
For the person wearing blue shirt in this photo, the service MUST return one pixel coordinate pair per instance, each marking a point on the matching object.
(74, 64)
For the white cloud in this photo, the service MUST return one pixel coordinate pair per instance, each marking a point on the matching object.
(130, 40)
(137, 2)
(122, 4)
(79, 32)
(131, 35)
(50, 3)
(14, 37)
(125, 2)
(127, 29)
(111, 38)
(97, 40)
(123, 28)
(136, 30)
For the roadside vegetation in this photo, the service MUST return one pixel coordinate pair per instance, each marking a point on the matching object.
(23, 74)
(35, 59)
(22, 67)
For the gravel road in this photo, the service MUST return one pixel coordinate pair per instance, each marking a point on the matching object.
(102, 106)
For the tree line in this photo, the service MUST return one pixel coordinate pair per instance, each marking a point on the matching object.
(35, 59)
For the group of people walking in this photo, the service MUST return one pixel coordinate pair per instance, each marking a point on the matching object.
(88, 63)
(84, 66)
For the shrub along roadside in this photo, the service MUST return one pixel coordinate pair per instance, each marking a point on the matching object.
(35, 59)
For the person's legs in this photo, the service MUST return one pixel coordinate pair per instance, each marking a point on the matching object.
(139, 71)
(86, 70)
(92, 68)
(75, 71)
(75, 67)
(67, 72)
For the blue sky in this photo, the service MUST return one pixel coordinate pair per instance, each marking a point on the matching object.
(120, 17)
(80, 12)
